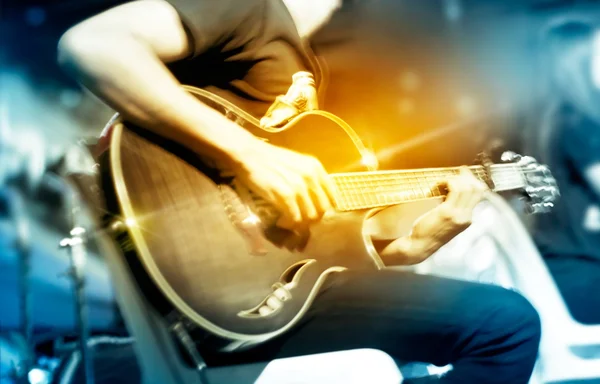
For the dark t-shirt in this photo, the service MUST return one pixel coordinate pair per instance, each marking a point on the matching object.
(243, 50)
(568, 230)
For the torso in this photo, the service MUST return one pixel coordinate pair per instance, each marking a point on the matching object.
(251, 70)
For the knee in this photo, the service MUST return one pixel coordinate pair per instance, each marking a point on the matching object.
(505, 337)
(512, 317)
(524, 315)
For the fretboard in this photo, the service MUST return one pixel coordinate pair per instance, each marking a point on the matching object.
(363, 190)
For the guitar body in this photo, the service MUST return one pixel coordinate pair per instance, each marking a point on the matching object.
(210, 250)
(207, 251)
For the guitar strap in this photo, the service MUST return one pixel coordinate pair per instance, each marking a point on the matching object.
(300, 97)
(305, 94)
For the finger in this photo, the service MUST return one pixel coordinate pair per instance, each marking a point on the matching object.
(308, 208)
(304, 200)
(468, 178)
(476, 196)
(288, 204)
(325, 187)
(285, 222)
(454, 192)
(459, 218)
(329, 188)
(464, 214)
(466, 172)
(320, 199)
(321, 189)
(477, 188)
(468, 188)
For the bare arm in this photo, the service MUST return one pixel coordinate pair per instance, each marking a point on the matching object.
(120, 56)
(435, 228)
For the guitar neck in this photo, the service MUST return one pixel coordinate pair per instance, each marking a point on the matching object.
(364, 190)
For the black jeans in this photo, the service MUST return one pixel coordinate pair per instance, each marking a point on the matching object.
(491, 335)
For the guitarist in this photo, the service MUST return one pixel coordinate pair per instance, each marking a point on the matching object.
(135, 56)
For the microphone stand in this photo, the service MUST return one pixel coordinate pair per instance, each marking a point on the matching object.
(15, 211)
(77, 252)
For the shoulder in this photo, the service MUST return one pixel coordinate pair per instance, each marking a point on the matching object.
(211, 23)
(225, 13)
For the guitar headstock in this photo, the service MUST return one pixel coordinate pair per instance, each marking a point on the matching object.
(539, 186)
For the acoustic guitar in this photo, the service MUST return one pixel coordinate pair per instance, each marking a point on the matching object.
(210, 249)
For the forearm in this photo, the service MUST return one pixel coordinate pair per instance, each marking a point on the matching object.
(413, 236)
(405, 250)
(140, 87)
(392, 233)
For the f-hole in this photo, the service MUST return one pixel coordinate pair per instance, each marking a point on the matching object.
(293, 274)
(282, 292)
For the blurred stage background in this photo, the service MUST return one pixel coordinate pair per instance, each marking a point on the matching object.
(441, 80)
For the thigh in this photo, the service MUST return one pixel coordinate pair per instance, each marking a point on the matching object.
(411, 317)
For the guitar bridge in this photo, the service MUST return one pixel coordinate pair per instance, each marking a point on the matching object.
(248, 224)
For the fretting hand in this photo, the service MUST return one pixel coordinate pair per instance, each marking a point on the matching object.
(440, 225)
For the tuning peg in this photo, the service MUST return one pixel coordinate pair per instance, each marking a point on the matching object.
(528, 161)
(544, 169)
(539, 207)
(510, 156)
(544, 207)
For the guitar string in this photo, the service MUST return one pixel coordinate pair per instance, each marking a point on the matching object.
(381, 183)
(357, 193)
(431, 177)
